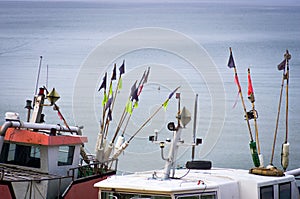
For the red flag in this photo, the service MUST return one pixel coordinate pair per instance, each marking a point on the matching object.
(60, 115)
(250, 88)
(236, 80)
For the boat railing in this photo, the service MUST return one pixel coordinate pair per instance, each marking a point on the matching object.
(94, 168)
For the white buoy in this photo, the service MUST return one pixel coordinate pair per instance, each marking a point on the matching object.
(98, 143)
(119, 142)
(120, 150)
(261, 160)
(285, 155)
(107, 152)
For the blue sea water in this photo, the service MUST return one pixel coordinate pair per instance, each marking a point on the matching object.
(67, 34)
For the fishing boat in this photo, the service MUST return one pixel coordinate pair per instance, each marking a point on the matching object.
(41, 160)
(198, 178)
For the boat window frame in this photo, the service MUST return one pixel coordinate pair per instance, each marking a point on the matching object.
(266, 196)
(280, 191)
(199, 194)
(141, 195)
(65, 156)
(21, 155)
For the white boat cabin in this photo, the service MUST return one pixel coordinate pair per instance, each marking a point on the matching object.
(214, 183)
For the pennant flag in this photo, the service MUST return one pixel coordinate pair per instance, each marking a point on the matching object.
(122, 68)
(104, 99)
(231, 63)
(236, 80)
(114, 74)
(136, 104)
(60, 115)
(129, 107)
(171, 94)
(109, 102)
(120, 83)
(110, 90)
(140, 89)
(109, 115)
(281, 66)
(132, 90)
(250, 88)
(135, 95)
(165, 104)
(146, 76)
(103, 84)
(144, 81)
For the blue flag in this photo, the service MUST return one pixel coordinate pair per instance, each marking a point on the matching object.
(103, 84)
(231, 63)
(122, 68)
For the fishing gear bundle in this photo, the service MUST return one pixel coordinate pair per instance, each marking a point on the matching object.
(118, 144)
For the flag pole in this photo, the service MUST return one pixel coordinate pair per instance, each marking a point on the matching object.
(287, 57)
(252, 144)
(110, 93)
(252, 100)
(285, 145)
(277, 119)
(242, 99)
(99, 143)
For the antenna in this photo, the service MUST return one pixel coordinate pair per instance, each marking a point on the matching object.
(38, 75)
(194, 127)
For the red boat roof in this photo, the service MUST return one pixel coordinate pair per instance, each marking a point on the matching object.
(39, 138)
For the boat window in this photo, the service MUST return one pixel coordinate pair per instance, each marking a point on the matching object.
(22, 155)
(206, 195)
(285, 190)
(65, 155)
(116, 195)
(267, 192)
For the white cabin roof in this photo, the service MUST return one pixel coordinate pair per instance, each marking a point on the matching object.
(235, 183)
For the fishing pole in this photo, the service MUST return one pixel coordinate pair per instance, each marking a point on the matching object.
(252, 144)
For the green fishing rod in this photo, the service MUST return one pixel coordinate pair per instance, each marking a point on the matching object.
(252, 143)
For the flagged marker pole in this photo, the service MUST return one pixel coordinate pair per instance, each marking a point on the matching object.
(252, 100)
(252, 144)
(285, 145)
